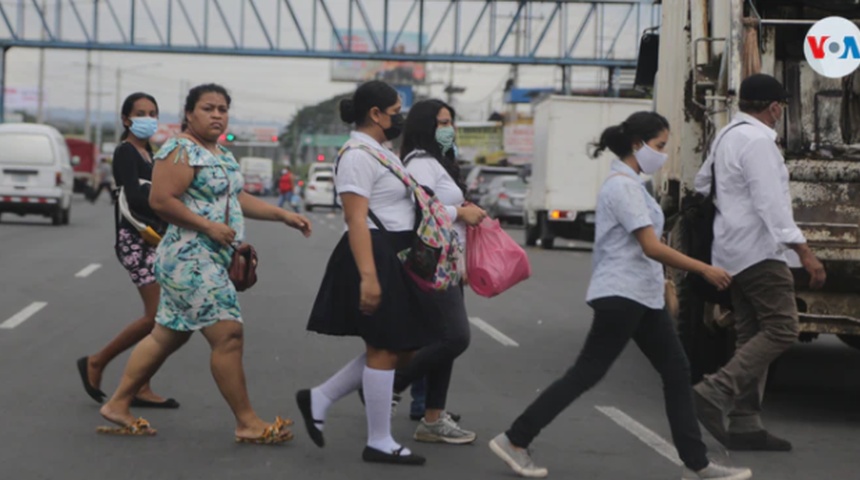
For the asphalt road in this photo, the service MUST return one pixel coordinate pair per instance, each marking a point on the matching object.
(48, 423)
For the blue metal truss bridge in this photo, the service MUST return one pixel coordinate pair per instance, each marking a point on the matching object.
(565, 33)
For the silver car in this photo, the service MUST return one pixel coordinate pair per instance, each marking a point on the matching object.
(505, 198)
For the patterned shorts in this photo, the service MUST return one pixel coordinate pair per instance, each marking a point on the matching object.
(136, 256)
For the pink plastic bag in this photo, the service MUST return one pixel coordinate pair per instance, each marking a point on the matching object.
(494, 261)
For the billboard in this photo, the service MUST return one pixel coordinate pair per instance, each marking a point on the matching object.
(21, 98)
(520, 140)
(480, 140)
(401, 73)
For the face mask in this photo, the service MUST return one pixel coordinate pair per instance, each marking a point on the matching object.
(445, 138)
(650, 160)
(396, 127)
(143, 127)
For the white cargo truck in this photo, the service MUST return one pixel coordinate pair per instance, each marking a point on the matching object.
(565, 180)
(258, 174)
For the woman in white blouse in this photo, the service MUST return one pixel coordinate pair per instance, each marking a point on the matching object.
(429, 154)
(365, 291)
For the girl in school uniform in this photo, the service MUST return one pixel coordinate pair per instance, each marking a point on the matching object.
(365, 291)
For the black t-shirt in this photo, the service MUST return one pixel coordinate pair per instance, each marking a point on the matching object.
(129, 167)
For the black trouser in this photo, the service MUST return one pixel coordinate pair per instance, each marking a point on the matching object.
(436, 361)
(617, 320)
(96, 192)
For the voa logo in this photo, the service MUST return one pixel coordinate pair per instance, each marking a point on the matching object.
(832, 47)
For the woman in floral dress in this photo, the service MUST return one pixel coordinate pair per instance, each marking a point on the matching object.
(196, 182)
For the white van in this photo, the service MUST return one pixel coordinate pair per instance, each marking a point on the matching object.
(35, 172)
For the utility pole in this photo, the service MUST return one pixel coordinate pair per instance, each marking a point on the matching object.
(99, 106)
(87, 98)
(40, 115)
(118, 128)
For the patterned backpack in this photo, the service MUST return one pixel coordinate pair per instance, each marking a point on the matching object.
(433, 260)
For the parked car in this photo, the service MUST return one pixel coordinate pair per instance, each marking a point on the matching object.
(505, 198)
(480, 177)
(319, 167)
(36, 175)
(319, 192)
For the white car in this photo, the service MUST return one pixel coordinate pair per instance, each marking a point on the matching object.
(319, 192)
(36, 174)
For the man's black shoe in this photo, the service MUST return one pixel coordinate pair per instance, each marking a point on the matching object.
(757, 441)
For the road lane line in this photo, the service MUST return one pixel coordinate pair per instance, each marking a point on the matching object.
(88, 270)
(23, 315)
(491, 331)
(656, 442)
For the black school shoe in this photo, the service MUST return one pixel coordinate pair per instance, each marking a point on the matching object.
(395, 458)
(303, 399)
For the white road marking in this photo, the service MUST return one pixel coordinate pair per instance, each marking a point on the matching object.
(23, 315)
(88, 270)
(642, 432)
(491, 331)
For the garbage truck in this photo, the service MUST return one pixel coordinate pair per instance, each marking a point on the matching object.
(694, 64)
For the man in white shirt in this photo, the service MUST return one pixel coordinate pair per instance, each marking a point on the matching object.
(753, 228)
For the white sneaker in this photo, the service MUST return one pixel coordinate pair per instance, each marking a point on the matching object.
(715, 471)
(444, 430)
(518, 459)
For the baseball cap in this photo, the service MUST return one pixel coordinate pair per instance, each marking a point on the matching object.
(763, 88)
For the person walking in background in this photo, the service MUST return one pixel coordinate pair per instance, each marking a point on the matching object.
(197, 188)
(627, 295)
(132, 171)
(365, 291)
(753, 228)
(104, 173)
(286, 187)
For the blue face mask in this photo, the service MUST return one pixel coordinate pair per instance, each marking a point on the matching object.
(143, 127)
(445, 138)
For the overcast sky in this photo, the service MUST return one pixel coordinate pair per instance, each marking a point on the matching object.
(272, 89)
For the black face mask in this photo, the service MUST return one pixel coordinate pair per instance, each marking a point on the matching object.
(396, 127)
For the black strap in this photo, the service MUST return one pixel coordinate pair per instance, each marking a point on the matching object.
(372, 216)
(713, 193)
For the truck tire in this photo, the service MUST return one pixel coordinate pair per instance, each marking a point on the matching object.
(532, 232)
(850, 340)
(546, 239)
(57, 216)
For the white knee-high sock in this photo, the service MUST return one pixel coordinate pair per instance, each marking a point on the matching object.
(341, 384)
(378, 385)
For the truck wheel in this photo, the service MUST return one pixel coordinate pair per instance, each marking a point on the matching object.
(850, 340)
(546, 239)
(532, 233)
(57, 216)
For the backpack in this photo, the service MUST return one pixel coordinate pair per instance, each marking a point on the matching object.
(696, 223)
(433, 259)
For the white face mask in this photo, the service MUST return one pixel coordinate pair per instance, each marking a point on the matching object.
(650, 160)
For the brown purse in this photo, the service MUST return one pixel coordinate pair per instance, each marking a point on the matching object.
(243, 263)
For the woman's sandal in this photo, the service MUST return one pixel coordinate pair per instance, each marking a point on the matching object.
(139, 427)
(274, 434)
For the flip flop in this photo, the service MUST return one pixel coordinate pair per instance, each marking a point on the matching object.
(275, 434)
(138, 428)
(94, 393)
(141, 403)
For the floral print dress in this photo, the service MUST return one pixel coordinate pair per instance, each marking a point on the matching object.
(196, 291)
